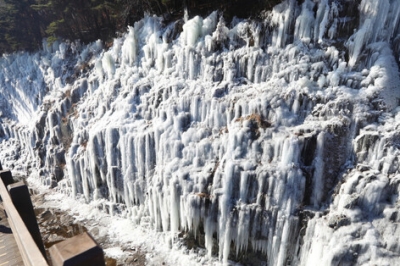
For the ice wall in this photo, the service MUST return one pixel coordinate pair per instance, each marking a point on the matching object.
(269, 140)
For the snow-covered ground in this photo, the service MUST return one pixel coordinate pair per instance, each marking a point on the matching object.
(272, 141)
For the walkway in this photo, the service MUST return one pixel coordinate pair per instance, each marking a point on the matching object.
(9, 253)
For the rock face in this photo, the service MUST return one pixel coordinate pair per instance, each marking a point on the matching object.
(273, 141)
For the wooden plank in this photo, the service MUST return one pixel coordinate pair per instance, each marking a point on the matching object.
(8, 245)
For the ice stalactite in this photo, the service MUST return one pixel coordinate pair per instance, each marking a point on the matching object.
(379, 21)
(282, 17)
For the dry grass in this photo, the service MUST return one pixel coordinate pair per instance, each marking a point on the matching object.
(62, 165)
(64, 120)
(203, 195)
(84, 144)
(257, 119)
(82, 68)
(73, 111)
(67, 93)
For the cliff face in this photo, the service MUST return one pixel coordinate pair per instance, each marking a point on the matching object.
(274, 139)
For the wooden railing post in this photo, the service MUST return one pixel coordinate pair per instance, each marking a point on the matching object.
(21, 199)
(7, 178)
(80, 250)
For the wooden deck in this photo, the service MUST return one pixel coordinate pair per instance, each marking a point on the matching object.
(9, 253)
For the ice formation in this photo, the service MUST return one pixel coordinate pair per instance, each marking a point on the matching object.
(275, 137)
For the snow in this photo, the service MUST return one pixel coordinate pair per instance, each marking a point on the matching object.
(260, 138)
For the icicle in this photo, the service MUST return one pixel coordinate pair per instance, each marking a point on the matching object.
(108, 64)
(304, 23)
(322, 20)
(129, 48)
(318, 181)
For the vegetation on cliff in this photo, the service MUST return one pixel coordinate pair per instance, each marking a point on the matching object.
(24, 23)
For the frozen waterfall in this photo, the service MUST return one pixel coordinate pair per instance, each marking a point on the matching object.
(271, 141)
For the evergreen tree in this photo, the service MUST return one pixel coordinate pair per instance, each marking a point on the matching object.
(19, 26)
(23, 23)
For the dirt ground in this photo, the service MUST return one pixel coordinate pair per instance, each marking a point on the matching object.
(56, 225)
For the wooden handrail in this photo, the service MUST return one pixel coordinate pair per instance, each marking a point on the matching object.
(30, 253)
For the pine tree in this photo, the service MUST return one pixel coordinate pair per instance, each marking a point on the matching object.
(19, 26)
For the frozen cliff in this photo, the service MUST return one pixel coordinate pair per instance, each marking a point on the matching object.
(272, 141)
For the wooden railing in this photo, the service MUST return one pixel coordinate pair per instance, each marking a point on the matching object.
(78, 250)
(30, 252)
